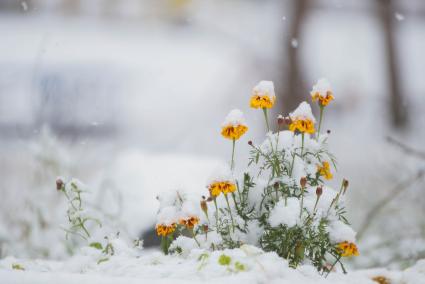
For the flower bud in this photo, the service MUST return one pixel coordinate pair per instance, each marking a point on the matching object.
(303, 182)
(276, 185)
(204, 206)
(205, 228)
(250, 143)
(345, 184)
(209, 199)
(280, 120)
(59, 184)
(319, 191)
(288, 120)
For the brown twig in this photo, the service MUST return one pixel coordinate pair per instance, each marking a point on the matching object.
(401, 187)
(406, 148)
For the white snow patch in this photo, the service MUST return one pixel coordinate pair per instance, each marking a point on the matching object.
(303, 111)
(285, 214)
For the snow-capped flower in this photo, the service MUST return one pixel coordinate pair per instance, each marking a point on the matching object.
(302, 119)
(347, 249)
(322, 93)
(263, 95)
(325, 170)
(234, 125)
(221, 181)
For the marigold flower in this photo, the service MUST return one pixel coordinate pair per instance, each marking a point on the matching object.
(221, 187)
(165, 230)
(347, 249)
(322, 92)
(234, 125)
(263, 95)
(325, 170)
(302, 125)
(189, 222)
(302, 119)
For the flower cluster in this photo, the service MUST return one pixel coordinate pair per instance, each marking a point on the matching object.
(281, 203)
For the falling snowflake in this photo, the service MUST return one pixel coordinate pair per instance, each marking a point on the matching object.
(294, 43)
(399, 16)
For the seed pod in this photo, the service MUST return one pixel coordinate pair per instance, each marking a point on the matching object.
(303, 182)
(59, 184)
(319, 191)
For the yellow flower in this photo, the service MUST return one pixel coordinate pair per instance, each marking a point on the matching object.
(325, 170)
(264, 101)
(224, 187)
(189, 222)
(215, 189)
(233, 132)
(302, 125)
(323, 100)
(347, 249)
(263, 95)
(227, 187)
(164, 230)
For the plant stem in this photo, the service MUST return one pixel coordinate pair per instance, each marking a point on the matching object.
(216, 213)
(302, 144)
(266, 118)
(230, 212)
(232, 164)
(302, 201)
(194, 237)
(320, 122)
(333, 265)
(292, 163)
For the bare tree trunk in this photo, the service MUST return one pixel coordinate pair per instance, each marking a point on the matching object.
(398, 114)
(294, 91)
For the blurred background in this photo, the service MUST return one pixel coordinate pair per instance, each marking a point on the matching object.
(129, 96)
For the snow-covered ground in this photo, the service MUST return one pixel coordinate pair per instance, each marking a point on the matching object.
(169, 87)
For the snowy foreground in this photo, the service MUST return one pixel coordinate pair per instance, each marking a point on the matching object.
(247, 264)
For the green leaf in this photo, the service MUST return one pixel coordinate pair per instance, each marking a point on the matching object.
(239, 266)
(17, 266)
(224, 259)
(102, 260)
(96, 245)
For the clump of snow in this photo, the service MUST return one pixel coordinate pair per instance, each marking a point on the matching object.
(167, 215)
(340, 232)
(399, 16)
(183, 245)
(220, 173)
(287, 214)
(264, 88)
(189, 209)
(294, 43)
(322, 87)
(303, 111)
(235, 118)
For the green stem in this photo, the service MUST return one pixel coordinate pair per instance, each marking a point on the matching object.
(230, 212)
(302, 201)
(315, 204)
(320, 122)
(292, 163)
(194, 237)
(302, 144)
(333, 265)
(216, 213)
(232, 164)
(267, 119)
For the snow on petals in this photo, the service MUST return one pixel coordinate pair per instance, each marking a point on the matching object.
(234, 125)
(322, 92)
(263, 95)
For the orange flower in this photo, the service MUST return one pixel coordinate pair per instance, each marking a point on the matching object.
(325, 170)
(302, 126)
(323, 100)
(233, 132)
(224, 187)
(165, 230)
(189, 222)
(347, 249)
